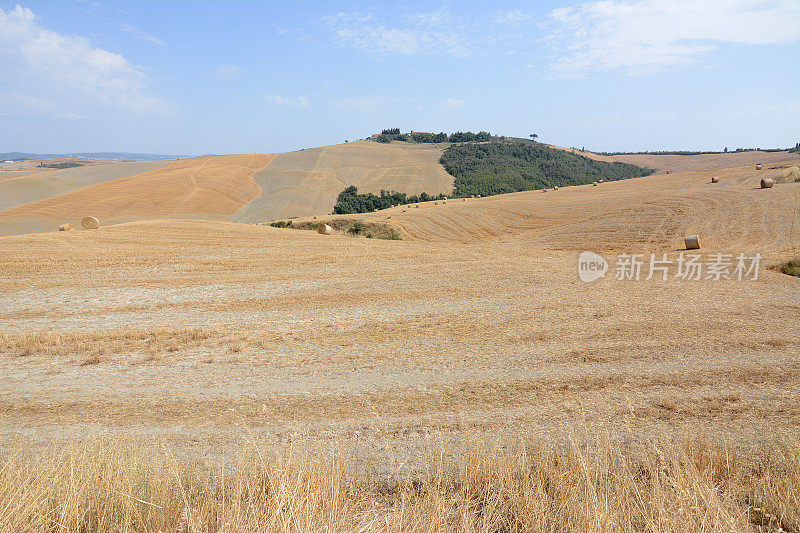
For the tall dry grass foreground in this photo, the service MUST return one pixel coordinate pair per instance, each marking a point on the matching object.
(688, 486)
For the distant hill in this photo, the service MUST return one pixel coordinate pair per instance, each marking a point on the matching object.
(110, 156)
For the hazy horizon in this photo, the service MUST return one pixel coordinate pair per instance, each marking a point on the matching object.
(190, 79)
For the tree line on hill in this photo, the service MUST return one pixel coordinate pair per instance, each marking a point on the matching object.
(349, 201)
(393, 134)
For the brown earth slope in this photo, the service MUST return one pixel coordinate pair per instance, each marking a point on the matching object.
(204, 188)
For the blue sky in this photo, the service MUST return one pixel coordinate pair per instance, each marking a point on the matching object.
(241, 77)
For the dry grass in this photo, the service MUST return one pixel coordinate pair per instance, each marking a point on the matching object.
(690, 485)
(47, 342)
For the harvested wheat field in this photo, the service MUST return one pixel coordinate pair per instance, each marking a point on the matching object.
(694, 162)
(307, 182)
(203, 188)
(458, 379)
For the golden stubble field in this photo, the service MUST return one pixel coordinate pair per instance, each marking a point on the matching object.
(198, 335)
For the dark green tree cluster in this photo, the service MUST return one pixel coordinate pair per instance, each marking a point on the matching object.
(513, 165)
(66, 164)
(349, 201)
(393, 134)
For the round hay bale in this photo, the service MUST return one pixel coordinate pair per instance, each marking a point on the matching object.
(472, 196)
(544, 190)
(669, 172)
(314, 217)
(715, 179)
(758, 166)
(324, 229)
(555, 188)
(416, 206)
(90, 223)
(692, 242)
(376, 211)
(594, 184)
(479, 196)
(435, 203)
(463, 199)
(404, 210)
(65, 227)
(767, 183)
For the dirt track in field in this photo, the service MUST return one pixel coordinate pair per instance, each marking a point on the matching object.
(200, 332)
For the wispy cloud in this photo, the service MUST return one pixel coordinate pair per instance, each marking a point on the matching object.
(40, 57)
(511, 17)
(419, 33)
(640, 37)
(224, 73)
(360, 104)
(453, 103)
(142, 36)
(297, 101)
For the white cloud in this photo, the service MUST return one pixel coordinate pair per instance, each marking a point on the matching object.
(453, 103)
(360, 104)
(225, 73)
(643, 36)
(420, 33)
(142, 36)
(511, 17)
(298, 101)
(71, 116)
(36, 56)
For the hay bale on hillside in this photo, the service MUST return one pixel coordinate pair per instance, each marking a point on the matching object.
(324, 229)
(767, 183)
(692, 242)
(435, 203)
(65, 227)
(472, 196)
(758, 166)
(594, 184)
(715, 179)
(555, 188)
(791, 173)
(90, 223)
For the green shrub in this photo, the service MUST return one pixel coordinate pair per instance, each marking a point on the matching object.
(791, 267)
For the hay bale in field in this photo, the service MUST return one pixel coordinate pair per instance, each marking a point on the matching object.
(435, 203)
(472, 196)
(544, 190)
(669, 172)
(555, 188)
(314, 217)
(692, 242)
(416, 206)
(324, 229)
(594, 184)
(758, 166)
(90, 223)
(767, 183)
(404, 210)
(791, 173)
(65, 227)
(715, 179)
